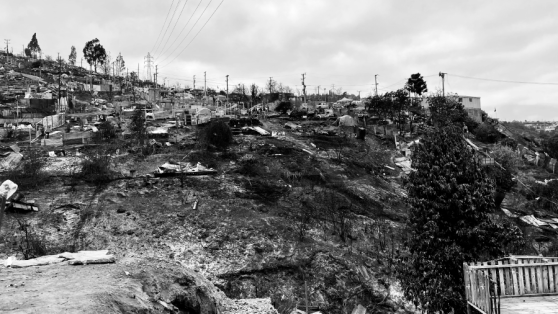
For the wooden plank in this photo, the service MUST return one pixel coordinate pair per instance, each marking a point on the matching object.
(527, 277)
(477, 308)
(533, 273)
(507, 277)
(555, 277)
(515, 280)
(539, 279)
(466, 282)
(493, 274)
(511, 265)
(521, 278)
(501, 279)
(551, 284)
(545, 279)
(488, 299)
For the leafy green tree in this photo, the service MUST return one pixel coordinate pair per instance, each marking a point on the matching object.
(73, 55)
(450, 222)
(445, 111)
(381, 106)
(416, 84)
(33, 46)
(401, 104)
(94, 53)
(28, 52)
(502, 174)
(486, 133)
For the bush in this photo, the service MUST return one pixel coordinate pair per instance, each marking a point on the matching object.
(509, 142)
(486, 133)
(217, 134)
(107, 131)
(284, 106)
(30, 173)
(95, 168)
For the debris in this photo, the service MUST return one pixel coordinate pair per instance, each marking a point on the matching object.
(11, 161)
(359, 309)
(290, 125)
(256, 129)
(15, 148)
(89, 257)
(195, 206)
(182, 168)
(509, 213)
(79, 258)
(7, 189)
(530, 219)
(390, 168)
(404, 163)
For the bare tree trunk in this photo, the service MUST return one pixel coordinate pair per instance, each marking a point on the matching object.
(2, 208)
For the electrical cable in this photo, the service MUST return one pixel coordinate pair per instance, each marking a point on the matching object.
(198, 31)
(163, 26)
(177, 4)
(191, 29)
(172, 31)
(502, 81)
(183, 28)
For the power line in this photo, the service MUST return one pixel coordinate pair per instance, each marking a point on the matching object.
(217, 8)
(183, 39)
(172, 31)
(173, 13)
(163, 26)
(503, 81)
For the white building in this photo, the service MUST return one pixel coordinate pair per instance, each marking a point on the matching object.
(472, 105)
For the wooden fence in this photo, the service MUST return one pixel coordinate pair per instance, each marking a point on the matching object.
(515, 276)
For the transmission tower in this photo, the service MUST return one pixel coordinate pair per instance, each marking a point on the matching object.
(148, 64)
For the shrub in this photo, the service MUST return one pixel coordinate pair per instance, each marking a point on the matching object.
(486, 133)
(217, 134)
(509, 142)
(95, 168)
(107, 131)
(284, 106)
(30, 173)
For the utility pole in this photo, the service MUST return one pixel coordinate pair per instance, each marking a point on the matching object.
(304, 86)
(7, 44)
(443, 76)
(269, 99)
(376, 84)
(358, 95)
(205, 86)
(227, 90)
(318, 92)
(59, 78)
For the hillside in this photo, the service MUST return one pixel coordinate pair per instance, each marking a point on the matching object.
(283, 212)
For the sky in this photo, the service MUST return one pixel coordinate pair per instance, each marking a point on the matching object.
(337, 44)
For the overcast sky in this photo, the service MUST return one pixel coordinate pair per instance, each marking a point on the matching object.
(334, 42)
